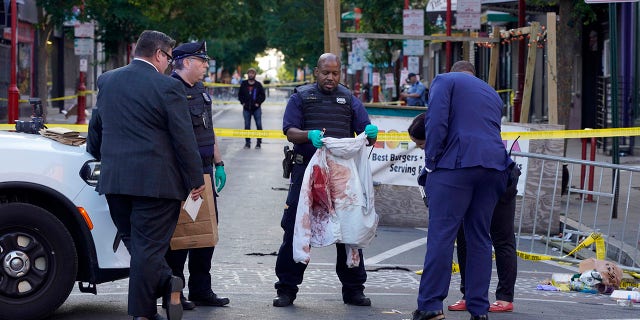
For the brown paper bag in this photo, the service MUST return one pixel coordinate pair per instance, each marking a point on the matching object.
(203, 232)
(610, 272)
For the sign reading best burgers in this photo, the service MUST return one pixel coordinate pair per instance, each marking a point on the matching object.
(395, 162)
(400, 162)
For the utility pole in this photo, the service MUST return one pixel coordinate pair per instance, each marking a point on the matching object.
(448, 44)
(517, 100)
(13, 93)
(82, 97)
(331, 26)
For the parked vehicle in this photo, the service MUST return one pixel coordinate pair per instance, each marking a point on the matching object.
(55, 229)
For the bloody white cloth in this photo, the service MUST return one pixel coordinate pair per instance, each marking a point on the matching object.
(336, 203)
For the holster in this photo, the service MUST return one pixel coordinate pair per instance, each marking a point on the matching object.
(287, 162)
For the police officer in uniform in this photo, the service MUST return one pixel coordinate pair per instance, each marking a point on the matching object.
(330, 107)
(190, 65)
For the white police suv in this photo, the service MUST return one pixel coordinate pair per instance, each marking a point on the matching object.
(55, 229)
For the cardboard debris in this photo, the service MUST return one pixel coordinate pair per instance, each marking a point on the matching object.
(63, 135)
(611, 273)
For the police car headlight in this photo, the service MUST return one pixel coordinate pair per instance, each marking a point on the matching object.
(90, 172)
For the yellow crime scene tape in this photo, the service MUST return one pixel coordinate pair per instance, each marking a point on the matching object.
(595, 237)
(403, 136)
(274, 85)
(588, 241)
(82, 93)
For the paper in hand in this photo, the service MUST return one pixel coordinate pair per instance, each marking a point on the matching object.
(192, 206)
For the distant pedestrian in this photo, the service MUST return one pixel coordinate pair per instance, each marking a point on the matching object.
(251, 96)
(324, 108)
(140, 131)
(190, 65)
(465, 158)
(416, 95)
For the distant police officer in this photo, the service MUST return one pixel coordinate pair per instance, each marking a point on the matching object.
(190, 64)
(325, 105)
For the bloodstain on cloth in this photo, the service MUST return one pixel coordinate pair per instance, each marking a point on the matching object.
(336, 200)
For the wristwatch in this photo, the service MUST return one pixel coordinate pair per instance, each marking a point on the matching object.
(220, 164)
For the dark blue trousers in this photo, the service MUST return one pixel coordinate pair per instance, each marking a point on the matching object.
(199, 282)
(289, 272)
(145, 225)
(467, 197)
(257, 117)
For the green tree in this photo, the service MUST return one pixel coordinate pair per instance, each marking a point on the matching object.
(296, 28)
(119, 22)
(232, 28)
(51, 14)
(381, 16)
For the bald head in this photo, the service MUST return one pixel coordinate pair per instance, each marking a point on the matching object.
(327, 72)
(463, 66)
(328, 57)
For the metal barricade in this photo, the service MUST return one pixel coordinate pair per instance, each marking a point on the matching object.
(568, 227)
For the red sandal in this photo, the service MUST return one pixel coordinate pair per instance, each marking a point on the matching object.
(497, 307)
(460, 305)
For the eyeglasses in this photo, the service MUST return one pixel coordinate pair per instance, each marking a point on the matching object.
(203, 60)
(169, 57)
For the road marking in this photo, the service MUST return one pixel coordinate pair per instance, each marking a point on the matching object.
(395, 251)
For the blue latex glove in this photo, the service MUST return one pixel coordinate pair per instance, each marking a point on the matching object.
(371, 131)
(315, 136)
(221, 177)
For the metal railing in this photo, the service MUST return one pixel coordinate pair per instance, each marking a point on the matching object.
(554, 218)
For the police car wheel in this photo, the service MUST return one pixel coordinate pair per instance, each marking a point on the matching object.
(38, 262)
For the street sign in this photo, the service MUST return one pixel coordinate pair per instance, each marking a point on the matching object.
(413, 47)
(468, 14)
(83, 30)
(84, 65)
(414, 64)
(468, 6)
(468, 21)
(83, 46)
(413, 24)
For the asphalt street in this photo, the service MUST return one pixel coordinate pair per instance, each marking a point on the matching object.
(250, 210)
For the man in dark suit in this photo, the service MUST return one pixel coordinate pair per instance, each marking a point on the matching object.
(466, 158)
(141, 132)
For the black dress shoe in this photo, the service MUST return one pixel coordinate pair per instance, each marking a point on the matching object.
(358, 299)
(482, 317)
(428, 315)
(210, 300)
(186, 304)
(172, 296)
(283, 300)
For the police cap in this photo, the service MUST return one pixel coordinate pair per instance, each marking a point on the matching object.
(192, 49)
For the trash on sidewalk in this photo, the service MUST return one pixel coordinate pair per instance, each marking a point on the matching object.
(586, 286)
(610, 272)
(546, 287)
(626, 295)
(626, 298)
(63, 135)
(561, 281)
